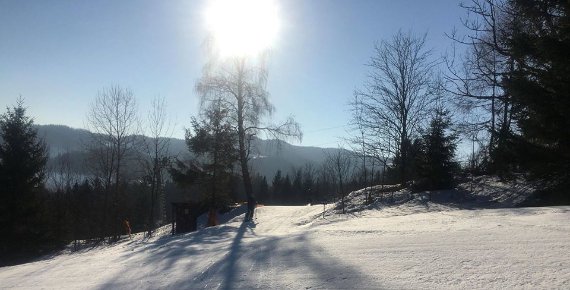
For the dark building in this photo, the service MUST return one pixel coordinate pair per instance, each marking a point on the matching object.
(185, 216)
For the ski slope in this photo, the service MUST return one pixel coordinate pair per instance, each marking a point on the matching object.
(405, 247)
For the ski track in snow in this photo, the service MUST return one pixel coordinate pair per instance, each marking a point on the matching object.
(295, 248)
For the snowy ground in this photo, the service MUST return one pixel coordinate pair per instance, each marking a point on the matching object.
(404, 247)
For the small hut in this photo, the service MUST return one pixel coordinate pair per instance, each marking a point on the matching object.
(185, 216)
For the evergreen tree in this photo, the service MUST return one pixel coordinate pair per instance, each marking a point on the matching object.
(308, 187)
(264, 185)
(261, 188)
(540, 87)
(435, 161)
(286, 188)
(308, 180)
(277, 187)
(23, 158)
(213, 140)
(297, 186)
(405, 164)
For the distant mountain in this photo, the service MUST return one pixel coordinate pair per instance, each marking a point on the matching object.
(268, 156)
(272, 155)
(61, 139)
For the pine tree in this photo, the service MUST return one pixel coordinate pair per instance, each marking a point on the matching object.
(297, 186)
(277, 187)
(435, 162)
(408, 160)
(286, 188)
(23, 158)
(213, 139)
(540, 87)
(261, 188)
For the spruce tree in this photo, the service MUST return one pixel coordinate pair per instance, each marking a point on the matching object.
(277, 187)
(407, 160)
(212, 139)
(23, 158)
(540, 88)
(436, 165)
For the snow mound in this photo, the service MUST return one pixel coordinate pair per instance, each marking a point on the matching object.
(492, 191)
(481, 192)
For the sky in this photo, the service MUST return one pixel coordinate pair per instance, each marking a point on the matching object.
(57, 55)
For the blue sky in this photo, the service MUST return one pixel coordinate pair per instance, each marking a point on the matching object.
(58, 54)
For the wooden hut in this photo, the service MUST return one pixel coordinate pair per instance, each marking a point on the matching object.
(185, 216)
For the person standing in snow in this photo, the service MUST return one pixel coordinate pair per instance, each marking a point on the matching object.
(212, 218)
(127, 227)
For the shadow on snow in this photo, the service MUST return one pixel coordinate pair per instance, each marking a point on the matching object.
(230, 257)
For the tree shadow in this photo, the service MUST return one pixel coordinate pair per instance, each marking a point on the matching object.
(261, 263)
(163, 254)
(248, 261)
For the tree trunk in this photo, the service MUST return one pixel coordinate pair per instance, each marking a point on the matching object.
(243, 154)
(404, 156)
(246, 181)
(341, 187)
(152, 198)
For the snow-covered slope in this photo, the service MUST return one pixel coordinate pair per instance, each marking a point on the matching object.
(406, 247)
(480, 192)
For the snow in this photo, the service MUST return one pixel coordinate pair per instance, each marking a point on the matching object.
(406, 246)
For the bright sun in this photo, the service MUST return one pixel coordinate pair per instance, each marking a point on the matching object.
(242, 27)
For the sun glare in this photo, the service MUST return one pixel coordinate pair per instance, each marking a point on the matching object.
(242, 27)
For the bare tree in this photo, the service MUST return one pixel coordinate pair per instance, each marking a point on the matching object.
(339, 166)
(239, 83)
(477, 79)
(156, 147)
(359, 140)
(61, 173)
(112, 119)
(391, 107)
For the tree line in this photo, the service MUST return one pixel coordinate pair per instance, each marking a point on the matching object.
(45, 207)
(327, 182)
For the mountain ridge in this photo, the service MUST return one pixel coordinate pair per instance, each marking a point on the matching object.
(269, 155)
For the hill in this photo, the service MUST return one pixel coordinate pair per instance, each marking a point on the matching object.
(268, 155)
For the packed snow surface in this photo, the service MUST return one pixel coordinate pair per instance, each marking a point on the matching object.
(402, 247)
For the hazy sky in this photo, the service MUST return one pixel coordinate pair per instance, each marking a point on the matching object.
(58, 54)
